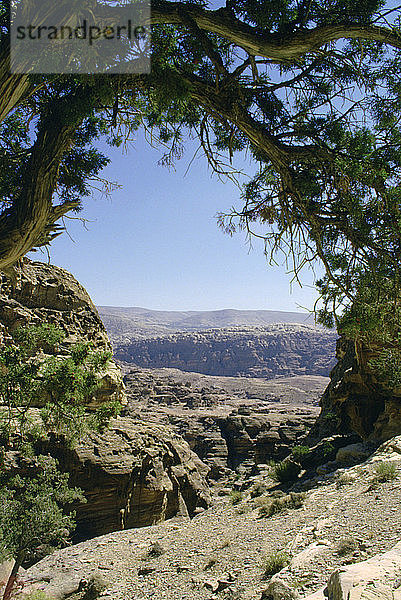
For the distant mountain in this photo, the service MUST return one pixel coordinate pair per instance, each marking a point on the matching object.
(123, 323)
(280, 350)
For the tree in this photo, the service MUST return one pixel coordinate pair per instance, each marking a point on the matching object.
(60, 386)
(309, 88)
(31, 513)
(32, 489)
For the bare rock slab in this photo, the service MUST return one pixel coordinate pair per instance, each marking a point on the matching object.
(374, 579)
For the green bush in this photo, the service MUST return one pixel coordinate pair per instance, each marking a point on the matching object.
(269, 506)
(385, 471)
(299, 452)
(387, 368)
(274, 562)
(285, 471)
(344, 479)
(235, 497)
(328, 448)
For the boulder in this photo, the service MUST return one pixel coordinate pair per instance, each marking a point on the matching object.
(352, 454)
(278, 589)
(373, 579)
(45, 293)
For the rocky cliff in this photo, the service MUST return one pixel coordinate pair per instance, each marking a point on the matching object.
(273, 351)
(133, 474)
(45, 293)
(228, 422)
(126, 323)
(355, 401)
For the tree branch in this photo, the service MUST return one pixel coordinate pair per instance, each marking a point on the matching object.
(270, 45)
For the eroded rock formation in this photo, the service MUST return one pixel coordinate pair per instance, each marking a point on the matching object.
(133, 475)
(278, 350)
(227, 429)
(355, 401)
(45, 293)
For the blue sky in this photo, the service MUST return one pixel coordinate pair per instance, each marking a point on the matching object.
(156, 242)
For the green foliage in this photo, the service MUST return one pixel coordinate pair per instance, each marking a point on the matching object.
(299, 452)
(387, 367)
(32, 489)
(285, 471)
(274, 562)
(328, 448)
(30, 513)
(62, 385)
(269, 506)
(385, 471)
(235, 497)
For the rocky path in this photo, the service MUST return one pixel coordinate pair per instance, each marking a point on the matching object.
(221, 552)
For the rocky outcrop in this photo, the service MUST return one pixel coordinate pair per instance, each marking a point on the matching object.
(355, 402)
(276, 350)
(226, 429)
(377, 578)
(45, 293)
(133, 475)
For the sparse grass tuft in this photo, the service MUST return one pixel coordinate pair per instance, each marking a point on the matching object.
(258, 490)
(385, 471)
(269, 506)
(235, 497)
(155, 550)
(37, 595)
(285, 471)
(346, 545)
(274, 562)
(344, 479)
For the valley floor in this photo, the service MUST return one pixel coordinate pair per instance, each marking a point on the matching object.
(226, 545)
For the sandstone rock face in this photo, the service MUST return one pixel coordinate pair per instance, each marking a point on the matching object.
(276, 350)
(133, 475)
(355, 402)
(46, 293)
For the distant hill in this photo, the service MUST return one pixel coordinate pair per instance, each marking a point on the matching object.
(280, 350)
(123, 323)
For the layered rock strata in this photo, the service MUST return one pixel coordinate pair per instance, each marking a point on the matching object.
(133, 475)
(276, 350)
(45, 293)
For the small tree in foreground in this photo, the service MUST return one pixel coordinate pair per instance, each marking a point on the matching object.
(32, 489)
(61, 386)
(31, 513)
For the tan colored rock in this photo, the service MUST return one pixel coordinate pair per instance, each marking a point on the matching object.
(372, 579)
(279, 589)
(355, 401)
(45, 293)
(133, 475)
(351, 454)
(304, 559)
